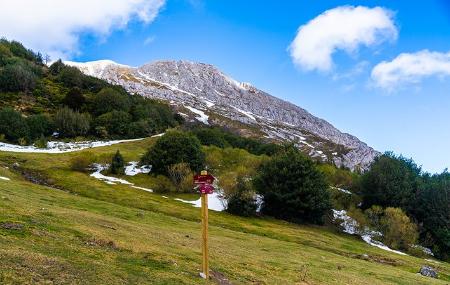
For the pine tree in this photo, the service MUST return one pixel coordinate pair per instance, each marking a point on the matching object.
(117, 164)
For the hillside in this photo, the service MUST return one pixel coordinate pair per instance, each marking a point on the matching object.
(204, 93)
(59, 226)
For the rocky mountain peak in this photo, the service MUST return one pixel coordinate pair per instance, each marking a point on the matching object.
(202, 92)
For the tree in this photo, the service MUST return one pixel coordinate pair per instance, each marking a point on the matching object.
(74, 99)
(391, 182)
(293, 188)
(13, 125)
(109, 99)
(117, 164)
(174, 147)
(70, 123)
(432, 209)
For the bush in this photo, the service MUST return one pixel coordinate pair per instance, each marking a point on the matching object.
(293, 188)
(41, 142)
(172, 148)
(13, 125)
(116, 123)
(70, 123)
(242, 202)
(74, 99)
(163, 185)
(17, 77)
(108, 100)
(398, 230)
(117, 164)
(82, 161)
(181, 176)
(39, 126)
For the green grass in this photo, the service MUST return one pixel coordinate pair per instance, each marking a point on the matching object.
(89, 232)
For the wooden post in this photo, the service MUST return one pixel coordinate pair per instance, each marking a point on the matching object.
(205, 265)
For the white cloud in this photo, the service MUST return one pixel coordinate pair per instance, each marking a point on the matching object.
(342, 28)
(55, 26)
(411, 68)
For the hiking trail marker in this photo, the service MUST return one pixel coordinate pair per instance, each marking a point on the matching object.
(204, 181)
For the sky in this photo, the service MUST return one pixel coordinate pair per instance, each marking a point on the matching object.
(379, 70)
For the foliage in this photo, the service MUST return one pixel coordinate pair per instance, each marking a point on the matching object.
(163, 185)
(398, 230)
(116, 123)
(39, 126)
(242, 202)
(13, 125)
(181, 176)
(70, 123)
(432, 209)
(82, 161)
(74, 99)
(390, 182)
(215, 136)
(17, 77)
(293, 188)
(109, 99)
(172, 148)
(117, 164)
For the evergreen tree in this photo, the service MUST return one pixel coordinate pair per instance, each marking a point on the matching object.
(117, 164)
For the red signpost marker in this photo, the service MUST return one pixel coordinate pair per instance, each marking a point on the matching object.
(204, 181)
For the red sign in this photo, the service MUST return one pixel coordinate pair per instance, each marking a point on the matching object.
(202, 179)
(206, 189)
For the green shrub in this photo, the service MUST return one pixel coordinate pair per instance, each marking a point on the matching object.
(13, 125)
(181, 176)
(108, 100)
(39, 126)
(116, 123)
(293, 188)
(41, 142)
(398, 230)
(117, 164)
(172, 148)
(74, 99)
(70, 123)
(242, 202)
(17, 77)
(163, 184)
(82, 161)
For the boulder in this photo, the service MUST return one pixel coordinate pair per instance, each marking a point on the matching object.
(428, 271)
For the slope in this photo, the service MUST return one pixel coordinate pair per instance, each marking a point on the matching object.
(80, 230)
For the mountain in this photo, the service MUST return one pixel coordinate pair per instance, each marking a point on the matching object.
(202, 92)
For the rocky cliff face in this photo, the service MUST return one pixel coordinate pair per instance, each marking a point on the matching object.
(202, 92)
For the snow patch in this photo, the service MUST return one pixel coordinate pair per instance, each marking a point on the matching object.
(94, 68)
(4, 178)
(202, 117)
(60, 147)
(112, 180)
(216, 202)
(133, 169)
(246, 113)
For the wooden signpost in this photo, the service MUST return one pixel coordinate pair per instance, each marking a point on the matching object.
(204, 181)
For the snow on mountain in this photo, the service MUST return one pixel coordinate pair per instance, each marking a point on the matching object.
(210, 96)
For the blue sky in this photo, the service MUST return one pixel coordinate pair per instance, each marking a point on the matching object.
(249, 40)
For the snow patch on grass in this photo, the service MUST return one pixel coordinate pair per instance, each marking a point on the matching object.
(216, 202)
(133, 169)
(4, 178)
(112, 180)
(61, 147)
